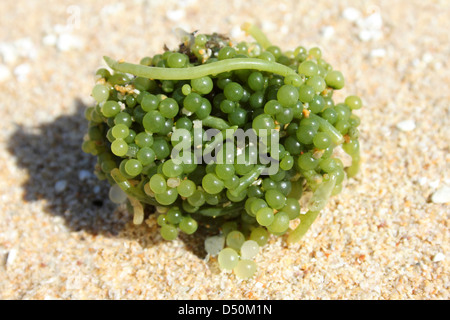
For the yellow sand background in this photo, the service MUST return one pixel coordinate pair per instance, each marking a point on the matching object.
(383, 237)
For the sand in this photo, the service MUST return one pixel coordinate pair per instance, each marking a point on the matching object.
(384, 237)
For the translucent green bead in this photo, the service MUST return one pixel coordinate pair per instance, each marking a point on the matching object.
(260, 235)
(100, 93)
(315, 52)
(307, 162)
(233, 91)
(174, 215)
(149, 102)
(275, 199)
(354, 102)
(169, 232)
(295, 80)
(120, 131)
(262, 124)
(249, 249)
(256, 81)
(228, 259)
(158, 183)
(212, 184)
(177, 60)
(335, 79)
(235, 239)
(153, 121)
(226, 53)
(305, 93)
(197, 199)
(287, 95)
(224, 171)
(123, 118)
(265, 216)
(161, 220)
(110, 108)
(168, 107)
(308, 68)
(322, 140)
(119, 147)
(292, 208)
(167, 197)
(188, 225)
(272, 107)
(186, 188)
(192, 102)
(133, 167)
(280, 222)
(202, 85)
(317, 83)
(201, 39)
(245, 269)
(171, 169)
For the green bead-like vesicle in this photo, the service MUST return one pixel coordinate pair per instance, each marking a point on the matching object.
(153, 125)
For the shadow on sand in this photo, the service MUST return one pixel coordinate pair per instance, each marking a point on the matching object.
(62, 174)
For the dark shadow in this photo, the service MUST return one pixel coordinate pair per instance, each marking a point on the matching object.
(52, 155)
(61, 174)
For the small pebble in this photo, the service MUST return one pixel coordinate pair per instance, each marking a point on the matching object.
(372, 22)
(97, 189)
(60, 186)
(22, 71)
(259, 285)
(112, 9)
(422, 180)
(8, 52)
(84, 175)
(327, 31)
(214, 244)
(67, 42)
(351, 14)
(366, 35)
(427, 57)
(12, 255)
(439, 257)
(5, 74)
(433, 184)
(442, 195)
(370, 27)
(50, 40)
(175, 15)
(236, 32)
(378, 53)
(406, 125)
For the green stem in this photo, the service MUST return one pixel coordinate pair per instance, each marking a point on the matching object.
(313, 178)
(257, 34)
(247, 180)
(126, 186)
(218, 211)
(203, 70)
(306, 221)
(327, 127)
(322, 194)
(225, 134)
(317, 203)
(215, 122)
(354, 167)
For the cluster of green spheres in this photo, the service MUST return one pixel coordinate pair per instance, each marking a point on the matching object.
(131, 124)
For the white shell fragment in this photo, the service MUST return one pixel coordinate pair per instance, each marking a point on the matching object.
(214, 244)
(406, 125)
(441, 195)
(439, 257)
(60, 186)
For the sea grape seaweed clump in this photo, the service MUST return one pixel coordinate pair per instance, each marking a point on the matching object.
(164, 134)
